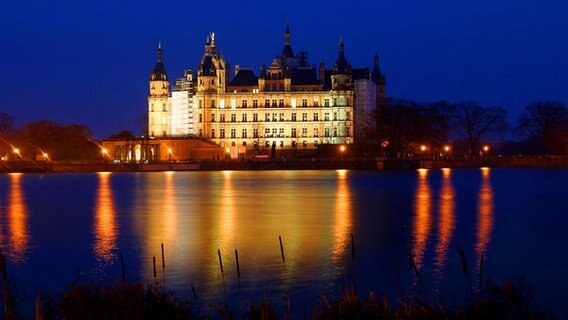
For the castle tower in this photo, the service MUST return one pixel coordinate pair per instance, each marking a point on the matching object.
(158, 109)
(287, 58)
(341, 78)
(378, 78)
(212, 79)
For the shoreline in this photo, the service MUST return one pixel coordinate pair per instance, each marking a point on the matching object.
(289, 164)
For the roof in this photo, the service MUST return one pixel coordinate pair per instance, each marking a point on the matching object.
(341, 65)
(287, 52)
(245, 78)
(305, 77)
(159, 72)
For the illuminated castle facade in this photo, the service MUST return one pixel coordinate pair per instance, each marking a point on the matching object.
(289, 104)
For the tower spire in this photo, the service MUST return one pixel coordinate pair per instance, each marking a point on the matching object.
(287, 36)
(159, 53)
(341, 45)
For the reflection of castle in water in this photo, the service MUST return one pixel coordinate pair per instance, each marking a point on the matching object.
(423, 203)
(105, 226)
(196, 214)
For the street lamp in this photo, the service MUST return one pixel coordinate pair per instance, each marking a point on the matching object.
(485, 148)
(447, 148)
(423, 148)
(45, 156)
(342, 148)
(170, 154)
(17, 153)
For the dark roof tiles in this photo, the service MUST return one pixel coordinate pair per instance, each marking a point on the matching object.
(245, 77)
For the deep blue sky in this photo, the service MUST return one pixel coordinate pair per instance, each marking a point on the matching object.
(88, 61)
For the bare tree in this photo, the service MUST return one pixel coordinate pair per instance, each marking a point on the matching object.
(545, 124)
(474, 123)
(542, 119)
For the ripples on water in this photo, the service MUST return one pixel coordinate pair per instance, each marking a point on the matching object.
(54, 227)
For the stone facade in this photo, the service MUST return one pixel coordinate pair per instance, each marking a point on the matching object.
(288, 105)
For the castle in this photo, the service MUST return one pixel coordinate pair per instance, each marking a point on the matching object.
(289, 104)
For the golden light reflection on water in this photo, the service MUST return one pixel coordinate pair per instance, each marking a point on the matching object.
(170, 212)
(156, 219)
(227, 214)
(485, 214)
(422, 217)
(342, 216)
(446, 222)
(106, 229)
(17, 219)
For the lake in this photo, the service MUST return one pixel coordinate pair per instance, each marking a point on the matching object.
(338, 229)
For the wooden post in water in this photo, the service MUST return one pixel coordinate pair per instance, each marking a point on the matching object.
(282, 249)
(220, 262)
(154, 264)
(238, 267)
(414, 267)
(465, 270)
(163, 265)
(193, 290)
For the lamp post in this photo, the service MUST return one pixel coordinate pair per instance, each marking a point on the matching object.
(423, 149)
(169, 154)
(104, 151)
(17, 153)
(485, 150)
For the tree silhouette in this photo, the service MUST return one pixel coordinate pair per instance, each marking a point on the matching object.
(545, 124)
(473, 123)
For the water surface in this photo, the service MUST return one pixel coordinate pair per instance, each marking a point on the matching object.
(59, 228)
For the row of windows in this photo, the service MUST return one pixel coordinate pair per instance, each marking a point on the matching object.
(268, 144)
(274, 132)
(275, 117)
(274, 103)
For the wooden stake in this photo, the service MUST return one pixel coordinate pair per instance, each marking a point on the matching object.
(220, 261)
(238, 267)
(282, 249)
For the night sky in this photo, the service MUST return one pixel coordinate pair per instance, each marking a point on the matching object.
(88, 62)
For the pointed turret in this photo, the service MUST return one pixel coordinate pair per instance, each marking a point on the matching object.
(377, 77)
(159, 72)
(341, 65)
(213, 71)
(287, 52)
(158, 109)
